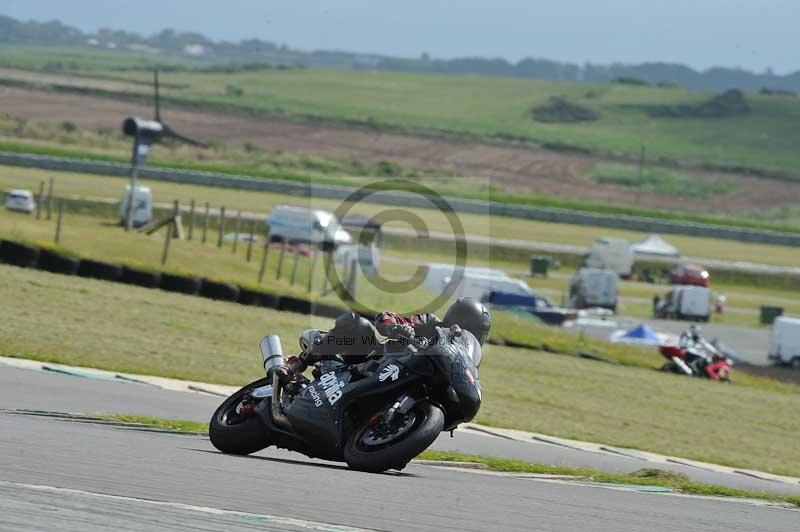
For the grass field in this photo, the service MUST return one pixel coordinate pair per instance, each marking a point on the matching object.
(100, 237)
(492, 107)
(78, 185)
(153, 332)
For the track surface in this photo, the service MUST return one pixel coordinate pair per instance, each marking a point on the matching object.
(131, 480)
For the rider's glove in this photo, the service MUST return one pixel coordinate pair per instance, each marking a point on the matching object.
(287, 371)
(400, 331)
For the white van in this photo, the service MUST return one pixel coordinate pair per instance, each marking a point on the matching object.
(686, 302)
(615, 254)
(784, 344)
(294, 223)
(593, 288)
(142, 206)
(476, 283)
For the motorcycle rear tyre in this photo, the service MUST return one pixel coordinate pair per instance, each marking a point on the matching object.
(242, 438)
(397, 455)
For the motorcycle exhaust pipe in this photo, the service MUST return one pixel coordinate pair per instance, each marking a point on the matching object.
(271, 352)
(683, 366)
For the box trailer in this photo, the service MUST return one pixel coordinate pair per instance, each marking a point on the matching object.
(784, 345)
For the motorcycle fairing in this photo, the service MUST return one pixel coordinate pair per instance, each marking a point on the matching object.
(456, 358)
(320, 422)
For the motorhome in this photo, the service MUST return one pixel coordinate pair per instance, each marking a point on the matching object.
(303, 225)
(142, 206)
(615, 254)
(784, 345)
(593, 288)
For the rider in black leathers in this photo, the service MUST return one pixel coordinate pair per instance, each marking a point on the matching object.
(353, 337)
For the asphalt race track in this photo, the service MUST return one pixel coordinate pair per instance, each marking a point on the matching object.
(57, 474)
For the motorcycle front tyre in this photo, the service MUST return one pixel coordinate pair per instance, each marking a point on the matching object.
(430, 422)
(245, 437)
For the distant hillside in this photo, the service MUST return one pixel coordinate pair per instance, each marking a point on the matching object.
(169, 44)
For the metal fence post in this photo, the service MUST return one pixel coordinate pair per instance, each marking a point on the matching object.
(191, 220)
(205, 223)
(315, 254)
(264, 259)
(167, 240)
(39, 201)
(238, 227)
(50, 198)
(294, 266)
(284, 244)
(58, 221)
(221, 226)
(252, 238)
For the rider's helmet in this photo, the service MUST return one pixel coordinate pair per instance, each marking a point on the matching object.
(470, 315)
(694, 332)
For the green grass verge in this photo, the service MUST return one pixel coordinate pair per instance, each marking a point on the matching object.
(657, 180)
(177, 425)
(158, 333)
(642, 477)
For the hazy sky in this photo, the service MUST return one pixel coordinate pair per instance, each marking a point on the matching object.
(753, 34)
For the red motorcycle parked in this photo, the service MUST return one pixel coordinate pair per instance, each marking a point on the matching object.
(696, 357)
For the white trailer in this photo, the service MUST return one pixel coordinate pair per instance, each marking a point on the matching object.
(784, 345)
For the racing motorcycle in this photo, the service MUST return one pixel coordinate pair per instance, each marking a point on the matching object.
(374, 416)
(698, 359)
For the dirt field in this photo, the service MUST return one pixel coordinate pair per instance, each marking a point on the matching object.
(521, 169)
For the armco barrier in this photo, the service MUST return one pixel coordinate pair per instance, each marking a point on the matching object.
(194, 177)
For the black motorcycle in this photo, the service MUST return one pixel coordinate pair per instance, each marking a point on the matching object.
(376, 415)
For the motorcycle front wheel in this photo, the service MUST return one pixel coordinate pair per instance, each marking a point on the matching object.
(375, 447)
(235, 428)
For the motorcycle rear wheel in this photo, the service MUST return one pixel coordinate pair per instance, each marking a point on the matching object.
(234, 435)
(366, 452)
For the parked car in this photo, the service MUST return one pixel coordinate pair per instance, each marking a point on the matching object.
(593, 288)
(536, 305)
(615, 254)
(784, 345)
(685, 302)
(298, 224)
(20, 201)
(690, 274)
(142, 206)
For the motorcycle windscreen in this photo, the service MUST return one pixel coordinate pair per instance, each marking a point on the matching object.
(458, 359)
